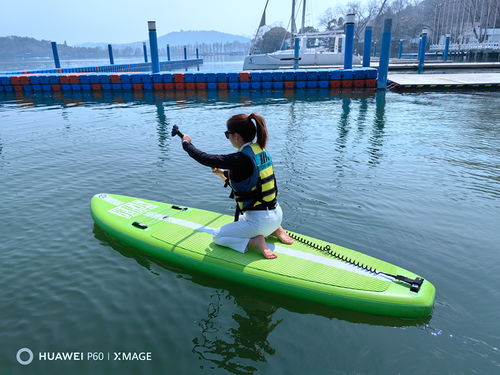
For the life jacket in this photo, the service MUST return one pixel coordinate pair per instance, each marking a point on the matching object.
(259, 190)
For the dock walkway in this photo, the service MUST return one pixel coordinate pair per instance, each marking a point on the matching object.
(449, 81)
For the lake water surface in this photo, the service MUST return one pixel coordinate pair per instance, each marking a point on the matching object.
(412, 179)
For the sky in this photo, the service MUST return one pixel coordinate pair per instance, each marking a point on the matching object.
(125, 21)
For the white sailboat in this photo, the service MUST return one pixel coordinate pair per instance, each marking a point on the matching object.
(313, 56)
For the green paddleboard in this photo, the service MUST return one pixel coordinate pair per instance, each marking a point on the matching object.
(343, 278)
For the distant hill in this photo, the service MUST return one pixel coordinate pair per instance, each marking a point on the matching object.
(179, 38)
(193, 37)
(209, 43)
(16, 47)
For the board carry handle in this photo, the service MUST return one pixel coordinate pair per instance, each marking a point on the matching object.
(176, 131)
(145, 226)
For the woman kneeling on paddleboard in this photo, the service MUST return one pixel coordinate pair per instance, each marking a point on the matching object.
(249, 173)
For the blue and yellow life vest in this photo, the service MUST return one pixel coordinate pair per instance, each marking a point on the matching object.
(259, 190)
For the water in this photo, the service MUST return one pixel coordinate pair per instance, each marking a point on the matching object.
(412, 179)
(210, 63)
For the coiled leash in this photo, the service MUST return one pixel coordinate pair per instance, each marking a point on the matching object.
(415, 284)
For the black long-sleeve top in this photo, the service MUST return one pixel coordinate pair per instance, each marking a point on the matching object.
(239, 165)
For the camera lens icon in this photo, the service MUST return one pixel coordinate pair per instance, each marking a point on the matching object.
(24, 361)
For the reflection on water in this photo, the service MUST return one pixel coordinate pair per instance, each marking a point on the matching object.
(247, 341)
(78, 98)
(162, 127)
(361, 120)
(376, 140)
(295, 137)
(343, 124)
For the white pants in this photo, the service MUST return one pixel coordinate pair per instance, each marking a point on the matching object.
(250, 224)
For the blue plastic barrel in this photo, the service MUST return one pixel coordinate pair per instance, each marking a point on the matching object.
(300, 84)
(221, 77)
(189, 77)
(278, 76)
(300, 75)
(255, 76)
(233, 77)
(200, 77)
(289, 75)
(267, 85)
(312, 75)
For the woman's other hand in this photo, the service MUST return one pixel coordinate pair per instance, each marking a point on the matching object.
(186, 138)
(219, 172)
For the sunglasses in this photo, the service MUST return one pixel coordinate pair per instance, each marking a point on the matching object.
(227, 132)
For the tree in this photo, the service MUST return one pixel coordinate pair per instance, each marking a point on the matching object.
(331, 19)
(272, 40)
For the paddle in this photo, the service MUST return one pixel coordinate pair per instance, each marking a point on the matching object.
(175, 131)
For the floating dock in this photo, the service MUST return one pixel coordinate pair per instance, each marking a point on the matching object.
(288, 79)
(440, 65)
(413, 81)
(402, 64)
(263, 80)
(138, 67)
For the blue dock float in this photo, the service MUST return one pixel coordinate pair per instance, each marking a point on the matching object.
(120, 68)
(75, 81)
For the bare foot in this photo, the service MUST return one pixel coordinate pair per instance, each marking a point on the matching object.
(268, 254)
(259, 243)
(283, 236)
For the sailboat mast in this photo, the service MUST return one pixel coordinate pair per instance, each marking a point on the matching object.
(303, 16)
(294, 28)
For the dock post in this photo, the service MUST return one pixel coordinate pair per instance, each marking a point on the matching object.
(400, 53)
(145, 50)
(57, 62)
(197, 53)
(185, 53)
(385, 51)
(367, 46)
(419, 48)
(110, 52)
(168, 52)
(349, 40)
(153, 47)
(446, 47)
(296, 48)
(421, 51)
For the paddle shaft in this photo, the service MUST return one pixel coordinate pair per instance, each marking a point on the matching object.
(176, 131)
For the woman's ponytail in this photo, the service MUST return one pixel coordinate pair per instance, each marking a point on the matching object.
(243, 125)
(261, 129)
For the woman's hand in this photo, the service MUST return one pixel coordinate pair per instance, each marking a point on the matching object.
(219, 172)
(186, 138)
